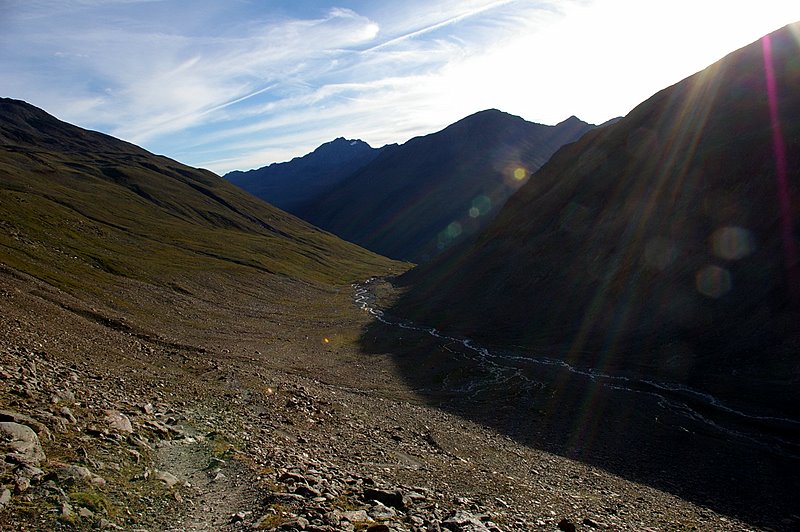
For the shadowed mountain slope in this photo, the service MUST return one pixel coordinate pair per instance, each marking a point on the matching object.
(87, 212)
(302, 180)
(418, 198)
(665, 244)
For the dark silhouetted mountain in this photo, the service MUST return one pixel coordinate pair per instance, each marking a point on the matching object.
(85, 211)
(302, 180)
(418, 198)
(666, 243)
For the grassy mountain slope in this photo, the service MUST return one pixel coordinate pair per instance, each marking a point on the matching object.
(88, 213)
(414, 200)
(665, 243)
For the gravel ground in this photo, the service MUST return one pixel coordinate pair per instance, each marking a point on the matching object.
(279, 412)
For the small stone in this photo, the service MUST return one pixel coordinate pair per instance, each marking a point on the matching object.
(239, 517)
(67, 413)
(381, 511)
(167, 478)
(29, 471)
(462, 521)
(5, 497)
(73, 473)
(298, 523)
(85, 513)
(307, 491)
(147, 408)
(106, 524)
(290, 478)
(67, 514)
(356, 516)
(118, 421)
(592, 523)
(63, 396)
(22, 484)
(215, 462)
(137, 456)
(394, 498)
(566, 525)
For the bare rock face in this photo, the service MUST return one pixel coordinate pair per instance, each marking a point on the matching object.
(21, 442)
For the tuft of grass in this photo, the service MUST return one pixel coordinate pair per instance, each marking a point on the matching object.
(93, 500)
(273, 520)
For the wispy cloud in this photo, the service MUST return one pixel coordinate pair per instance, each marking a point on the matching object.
(240, 84)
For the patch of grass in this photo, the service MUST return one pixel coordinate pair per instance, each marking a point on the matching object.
(345, 504)
(275, 519)
(93, 500)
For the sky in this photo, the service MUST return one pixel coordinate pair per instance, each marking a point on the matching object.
(239, 84)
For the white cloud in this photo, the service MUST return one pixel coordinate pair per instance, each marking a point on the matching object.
(229, 85)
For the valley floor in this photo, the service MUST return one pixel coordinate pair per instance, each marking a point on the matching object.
(280, 410)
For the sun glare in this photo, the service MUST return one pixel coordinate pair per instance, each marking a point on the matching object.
(598, 59)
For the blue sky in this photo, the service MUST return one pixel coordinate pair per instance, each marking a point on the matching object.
(239, 84)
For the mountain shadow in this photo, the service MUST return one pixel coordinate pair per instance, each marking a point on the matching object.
(640, 296)
(416, 199)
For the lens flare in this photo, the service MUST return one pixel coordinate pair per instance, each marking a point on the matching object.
(453, 230)
(480, 206)
(781, 165)
(732, 243)
(520, 173)
(713, 281)
(660, 253)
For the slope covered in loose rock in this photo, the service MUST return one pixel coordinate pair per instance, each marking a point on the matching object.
(664, 245)
(261, 424)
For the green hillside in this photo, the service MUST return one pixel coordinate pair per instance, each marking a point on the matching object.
(86, 212)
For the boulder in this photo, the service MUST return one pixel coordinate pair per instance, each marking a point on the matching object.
(22, 442)
(118, 421)
(393, 498)
(462, 521)
(167, 478)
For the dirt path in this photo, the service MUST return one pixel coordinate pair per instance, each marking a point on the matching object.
(219, 493)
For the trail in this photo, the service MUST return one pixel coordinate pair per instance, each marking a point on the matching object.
(777, 434)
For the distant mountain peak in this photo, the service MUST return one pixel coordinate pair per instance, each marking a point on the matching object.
(289, 185)
(402, 204)
(343, 143)
(571, 120)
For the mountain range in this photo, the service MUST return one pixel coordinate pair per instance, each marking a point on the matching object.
(412, 201)
(293, 184)
(625, 318)
(665, 244)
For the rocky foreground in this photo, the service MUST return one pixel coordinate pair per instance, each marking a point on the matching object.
(289, 427)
